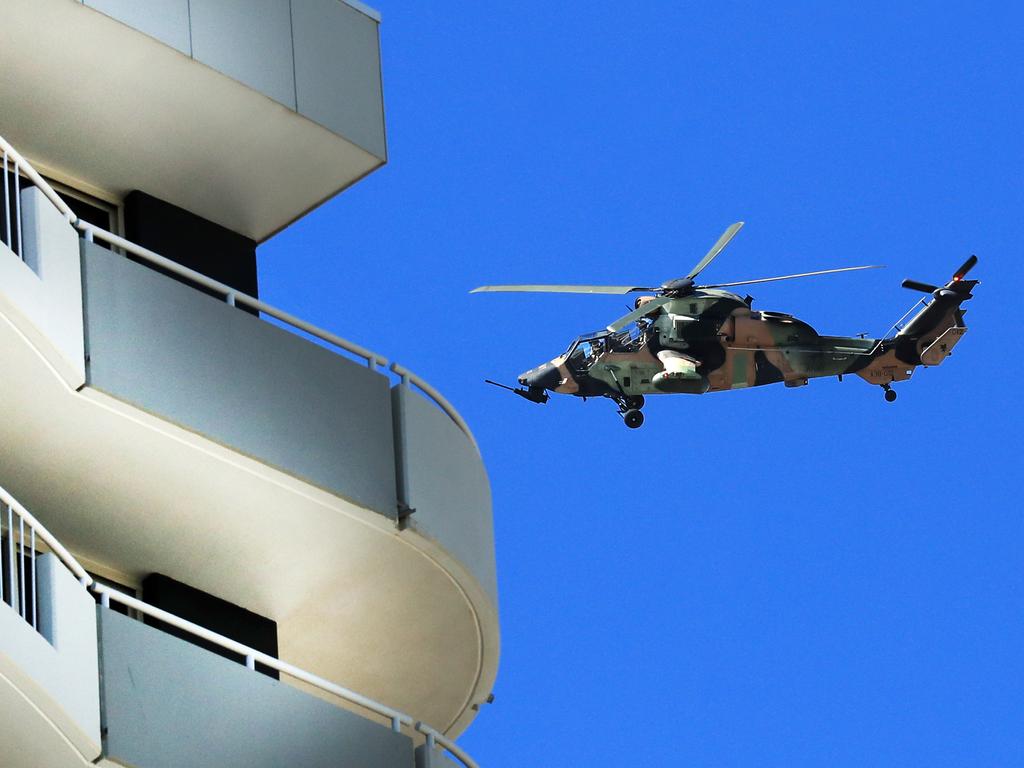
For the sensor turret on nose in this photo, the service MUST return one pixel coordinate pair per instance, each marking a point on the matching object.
(542, 377)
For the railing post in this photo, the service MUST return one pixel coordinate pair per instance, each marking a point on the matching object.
(35, 594)
(250, 662)
(21, 565)
(105, 599)
(3, 576)
(400, 420)
(88, 235)
(396, 725)
(11, 584)
(429, 747)
(425, 751)
(7, 205)
(230, 298)
(17, 211)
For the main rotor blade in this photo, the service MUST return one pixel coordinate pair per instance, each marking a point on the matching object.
(790, 277)
(637, 313)
(615, 289)
(716, 249)
(965, 268)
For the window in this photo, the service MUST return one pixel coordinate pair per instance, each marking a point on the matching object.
(100, 213)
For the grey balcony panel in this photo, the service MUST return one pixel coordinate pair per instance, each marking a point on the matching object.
(447, 486)
(435, 759)
(249, 40)
(337, 71)
(165, 20)
(168, 703)
(188, 358)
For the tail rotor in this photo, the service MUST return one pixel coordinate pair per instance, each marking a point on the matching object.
(958, 277)
(966, 267)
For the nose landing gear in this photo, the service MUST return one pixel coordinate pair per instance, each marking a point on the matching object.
(890, 393)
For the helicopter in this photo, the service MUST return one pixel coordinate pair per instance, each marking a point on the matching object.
(684, 338)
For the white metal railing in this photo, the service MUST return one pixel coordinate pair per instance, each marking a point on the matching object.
(10, 221)
(230, 295)
(408, 377)
(251, 655)
(18, 589)
(236, 298)
(396, 717)
(23, 536)
(18, 571)
(14, 168)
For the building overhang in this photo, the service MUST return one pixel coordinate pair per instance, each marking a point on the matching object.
(99, 105)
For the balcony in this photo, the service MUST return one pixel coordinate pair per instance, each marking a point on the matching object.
(163, 700)
(248, 114)
(159, 429)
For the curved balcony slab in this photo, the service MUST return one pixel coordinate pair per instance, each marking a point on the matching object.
(28, 737)
(284, 525)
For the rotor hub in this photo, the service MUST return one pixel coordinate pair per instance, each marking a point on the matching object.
(681, 286)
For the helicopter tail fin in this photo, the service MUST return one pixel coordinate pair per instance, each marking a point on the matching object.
(931, 334)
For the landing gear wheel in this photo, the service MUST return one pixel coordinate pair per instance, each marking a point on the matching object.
(633, 418)
(634, 402)
(890, 395)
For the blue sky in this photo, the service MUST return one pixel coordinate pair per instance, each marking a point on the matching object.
(765, 577)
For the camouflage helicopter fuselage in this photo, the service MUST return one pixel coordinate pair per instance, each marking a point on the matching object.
(712, 341)
(693, 339)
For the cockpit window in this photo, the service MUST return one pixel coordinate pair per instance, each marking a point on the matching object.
(628, 340)
(585, 353)
(585, 350)
(587, 337)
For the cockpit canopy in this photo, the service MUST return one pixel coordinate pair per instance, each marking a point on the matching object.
(584, 350)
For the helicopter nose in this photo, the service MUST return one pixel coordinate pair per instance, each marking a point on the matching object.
(544, 376)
